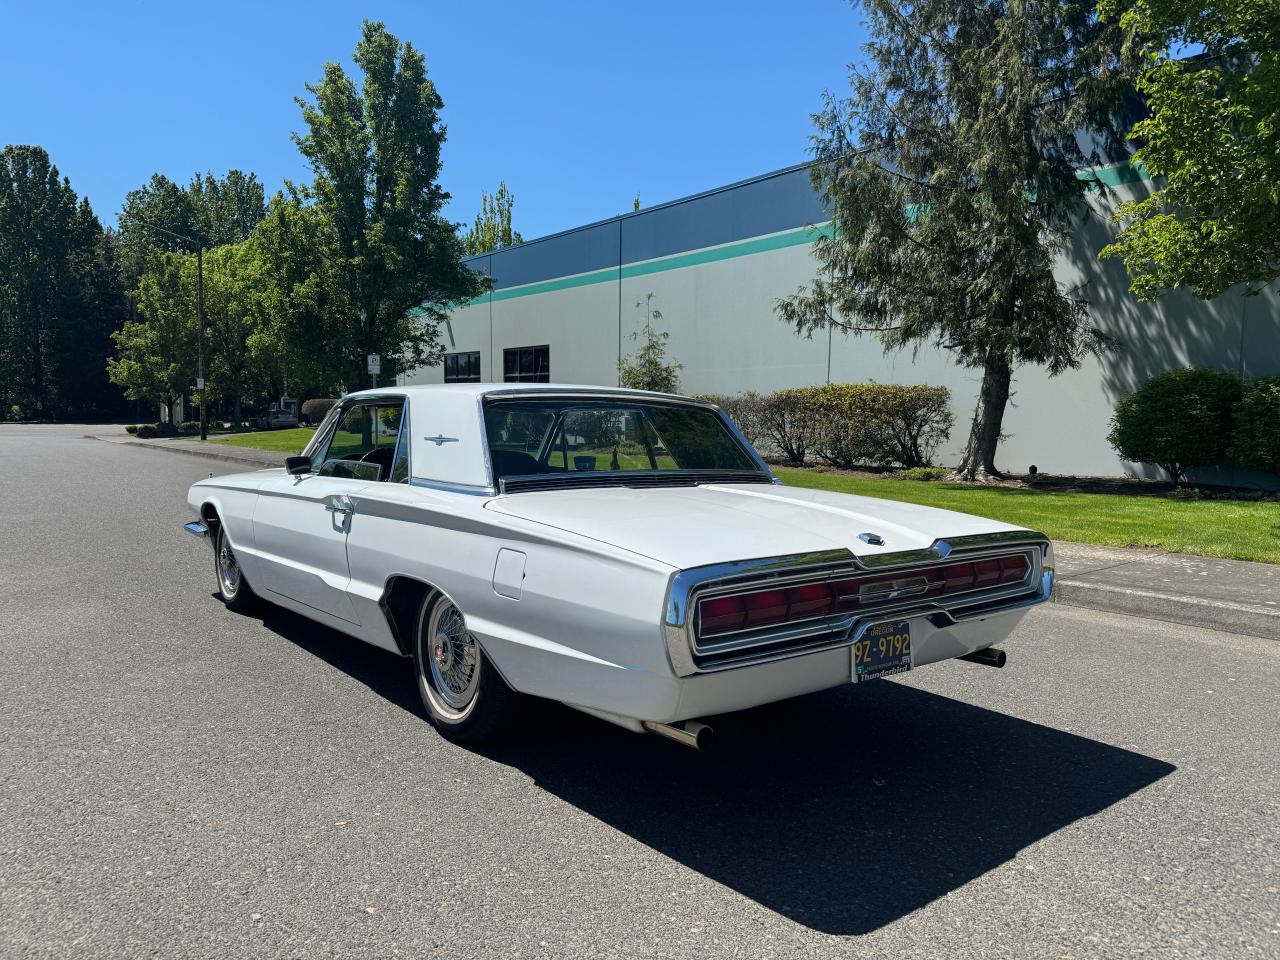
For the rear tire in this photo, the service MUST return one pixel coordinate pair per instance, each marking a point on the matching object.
(233, 588)
(465, 697)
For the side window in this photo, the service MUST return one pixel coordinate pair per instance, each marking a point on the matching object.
(363, 443)
(400, 464)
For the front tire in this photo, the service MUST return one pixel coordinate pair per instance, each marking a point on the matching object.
(233, 588)
(466, 699)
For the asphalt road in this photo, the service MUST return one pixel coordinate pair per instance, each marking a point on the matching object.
(179, 781)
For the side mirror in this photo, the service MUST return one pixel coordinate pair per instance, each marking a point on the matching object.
(297, 465)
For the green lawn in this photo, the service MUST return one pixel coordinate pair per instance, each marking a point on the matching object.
(284, 441)
(1212, 528)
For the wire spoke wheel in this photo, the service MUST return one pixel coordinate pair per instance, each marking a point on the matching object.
(451, 658)
(228, 569)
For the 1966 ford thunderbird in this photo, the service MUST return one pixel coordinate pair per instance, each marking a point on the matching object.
(626, 553)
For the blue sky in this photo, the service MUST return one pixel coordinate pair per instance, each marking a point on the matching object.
(576, 105)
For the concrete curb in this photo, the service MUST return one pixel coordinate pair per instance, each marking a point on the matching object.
(207, 454)
(1172, 608)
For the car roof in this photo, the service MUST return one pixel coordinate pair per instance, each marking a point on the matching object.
(521, 389)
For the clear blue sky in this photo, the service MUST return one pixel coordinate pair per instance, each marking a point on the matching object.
(576, 105)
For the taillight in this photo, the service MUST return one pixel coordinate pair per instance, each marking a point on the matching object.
(720, 615)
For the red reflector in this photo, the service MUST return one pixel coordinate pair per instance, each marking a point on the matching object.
(810, 600)
(1013, 569)
(766, 607)
(986, 572)
(720, 615)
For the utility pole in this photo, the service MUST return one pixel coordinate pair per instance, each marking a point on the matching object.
(204, 407)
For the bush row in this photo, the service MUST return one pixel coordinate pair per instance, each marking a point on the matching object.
(149, 430)
(845, 425)
(1199, 418)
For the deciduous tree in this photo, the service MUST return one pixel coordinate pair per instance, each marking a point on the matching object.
(492, 229)
(1213, 139)
(375, 152)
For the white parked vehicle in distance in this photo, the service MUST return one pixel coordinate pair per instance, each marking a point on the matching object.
(626, 553)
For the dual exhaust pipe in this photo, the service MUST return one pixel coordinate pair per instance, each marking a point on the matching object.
(990, 657)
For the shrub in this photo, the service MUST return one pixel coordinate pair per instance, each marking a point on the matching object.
(1257, 434)
(1177, 420)
(131, 428)
(921, 473)
(874, 423)
(188, 427)
(745, 409)
(145, 431)
(787, 420)
(313, 411)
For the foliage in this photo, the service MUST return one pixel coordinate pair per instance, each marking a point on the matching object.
(379, 243)
(1213, 528)
(216, 210)
(1213, 135)
(146, 431)
(59, 294)
(1177, 420)
(951, 172)
(157, 355)
(1257, 432)
(745, 409)
(131, 428)
(872, 423)
(789, 423)
(492, 228)
(313, 411)
(923, 474)
(648, 368)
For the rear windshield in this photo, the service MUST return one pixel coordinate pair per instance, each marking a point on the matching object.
(576, 437)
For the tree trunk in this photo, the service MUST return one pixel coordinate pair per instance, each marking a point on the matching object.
(238, 414)
(979, 461)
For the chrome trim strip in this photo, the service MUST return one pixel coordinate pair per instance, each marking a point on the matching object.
(197, 527)
(446, 486)
(686, 586)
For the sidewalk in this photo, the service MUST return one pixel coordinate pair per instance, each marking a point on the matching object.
(1231, 595)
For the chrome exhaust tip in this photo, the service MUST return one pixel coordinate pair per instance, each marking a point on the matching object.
(989, 657)
(691, 733)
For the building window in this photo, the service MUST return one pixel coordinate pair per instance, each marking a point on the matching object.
(462, 367)
(527, 365)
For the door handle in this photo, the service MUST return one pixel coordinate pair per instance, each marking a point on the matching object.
(341, 504)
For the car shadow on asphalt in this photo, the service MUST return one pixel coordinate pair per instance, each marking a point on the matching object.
(843, 810)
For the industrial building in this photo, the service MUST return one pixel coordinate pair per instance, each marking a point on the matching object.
(564, 308)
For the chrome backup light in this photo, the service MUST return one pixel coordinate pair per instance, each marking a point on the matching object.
(770, 607)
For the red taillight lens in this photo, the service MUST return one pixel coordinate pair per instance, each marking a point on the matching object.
(1013, 569)
(763, 608)
(766, 607)
(720, 615)
(810, 600)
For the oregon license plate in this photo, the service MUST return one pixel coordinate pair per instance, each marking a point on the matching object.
(884, 648)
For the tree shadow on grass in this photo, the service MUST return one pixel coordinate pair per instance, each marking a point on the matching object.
(843, 811)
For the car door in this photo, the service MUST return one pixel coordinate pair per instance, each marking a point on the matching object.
(301, 523)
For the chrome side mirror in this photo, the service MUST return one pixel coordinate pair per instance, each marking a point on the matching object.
(298, 465)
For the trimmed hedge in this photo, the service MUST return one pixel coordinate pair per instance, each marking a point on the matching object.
(1257, 432)
(313, 411)
(1178, 420)
(131, 428)
(846, 425)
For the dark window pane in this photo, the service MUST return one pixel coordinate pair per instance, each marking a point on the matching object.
(526, 361)
(510, 364)
(450, 367)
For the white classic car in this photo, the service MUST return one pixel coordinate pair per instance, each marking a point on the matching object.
(626, 553)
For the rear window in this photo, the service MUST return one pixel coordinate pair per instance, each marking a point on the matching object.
(580, 436)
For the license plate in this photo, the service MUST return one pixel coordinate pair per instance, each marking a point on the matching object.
(883, 649)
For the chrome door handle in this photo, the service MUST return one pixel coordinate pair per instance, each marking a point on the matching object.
(341, 504)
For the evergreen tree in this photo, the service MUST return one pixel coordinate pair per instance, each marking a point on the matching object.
(648, 368)
(952, 176)
(59, 294)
